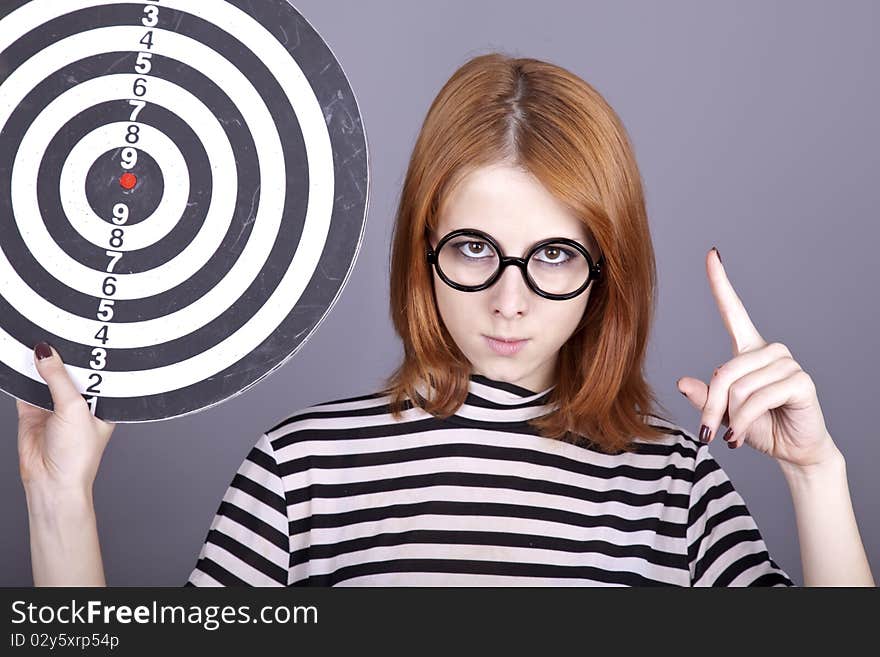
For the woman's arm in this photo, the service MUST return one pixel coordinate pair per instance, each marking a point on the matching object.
(65, 550)
(59, 453)
(774, 406)
(832, 553)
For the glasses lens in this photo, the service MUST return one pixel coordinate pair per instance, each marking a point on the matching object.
(558, 269)
(468, 260)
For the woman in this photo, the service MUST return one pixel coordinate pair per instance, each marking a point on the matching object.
(517, 443)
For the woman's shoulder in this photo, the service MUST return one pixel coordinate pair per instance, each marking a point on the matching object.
(372, 409)
(674, 439)
(681, 448)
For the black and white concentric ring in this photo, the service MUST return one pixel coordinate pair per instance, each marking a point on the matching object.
(183, 191)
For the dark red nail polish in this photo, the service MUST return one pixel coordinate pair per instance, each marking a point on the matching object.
(718, 253)
(732, 444)
(704, 433)
(43, 350)
(728, 435)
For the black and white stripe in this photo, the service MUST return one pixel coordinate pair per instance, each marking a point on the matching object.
(340, 493)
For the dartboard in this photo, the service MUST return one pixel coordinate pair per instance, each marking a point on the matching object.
(183, 193)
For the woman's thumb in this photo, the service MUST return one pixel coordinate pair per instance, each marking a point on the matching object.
(61, 387)
(694, 390)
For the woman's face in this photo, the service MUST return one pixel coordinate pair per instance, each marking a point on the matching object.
(514, 208)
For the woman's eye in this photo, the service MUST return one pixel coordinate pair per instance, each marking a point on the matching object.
(554, 255)
(475, 249)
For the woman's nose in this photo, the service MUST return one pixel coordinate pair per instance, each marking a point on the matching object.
(510, 294)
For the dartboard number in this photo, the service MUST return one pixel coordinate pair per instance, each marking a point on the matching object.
(102, 334)
(97, 381)
(151, 16)
(109, 288)
(105, 310)
(115, 256)
(120, 213)
(100, 360)
(116, 238)
(97, 363)
(104, 314)
(140, 87)
(143, 66)
(147, 40)
(138, 106)
(129, 158)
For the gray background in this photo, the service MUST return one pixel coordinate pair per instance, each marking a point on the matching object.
(752, 127)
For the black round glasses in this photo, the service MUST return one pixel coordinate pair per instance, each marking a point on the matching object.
(557, 268)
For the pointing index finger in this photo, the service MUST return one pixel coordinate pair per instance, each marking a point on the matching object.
(744, 335)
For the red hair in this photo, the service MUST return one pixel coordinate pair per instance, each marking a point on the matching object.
(557, 127)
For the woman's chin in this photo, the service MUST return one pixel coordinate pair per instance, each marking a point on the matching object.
(504, 371)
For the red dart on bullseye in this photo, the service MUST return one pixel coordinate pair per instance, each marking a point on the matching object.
(128, 180)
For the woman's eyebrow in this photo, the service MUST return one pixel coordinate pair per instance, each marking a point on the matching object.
(579, 240)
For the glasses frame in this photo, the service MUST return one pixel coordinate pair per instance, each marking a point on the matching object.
(595, 272)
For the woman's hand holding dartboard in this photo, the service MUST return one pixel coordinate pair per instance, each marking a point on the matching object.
(59, 452)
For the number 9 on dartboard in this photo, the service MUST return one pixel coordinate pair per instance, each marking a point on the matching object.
(183, 194)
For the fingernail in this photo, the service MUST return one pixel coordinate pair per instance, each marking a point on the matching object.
(704, 433)
(732, 444)
(718, 253)
(43, 350)
(682, 394)
(728, 435)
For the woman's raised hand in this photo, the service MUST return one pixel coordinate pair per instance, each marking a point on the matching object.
(762, 394)
(59, 450)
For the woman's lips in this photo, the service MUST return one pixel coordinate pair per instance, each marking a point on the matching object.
(504, 347)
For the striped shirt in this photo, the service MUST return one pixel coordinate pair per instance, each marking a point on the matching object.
(340, 493)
